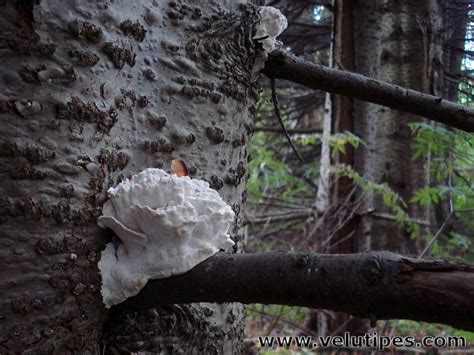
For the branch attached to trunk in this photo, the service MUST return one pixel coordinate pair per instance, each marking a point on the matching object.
(286, 66)
(376, 285)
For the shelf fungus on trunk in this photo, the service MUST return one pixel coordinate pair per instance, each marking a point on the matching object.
(272, 24)
(167, 224)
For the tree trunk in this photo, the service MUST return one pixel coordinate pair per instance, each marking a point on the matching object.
(455, 20)
(382, 40)
(399, 42)
(343, 106)
(343, 117)
(95, 92)
(342, 121)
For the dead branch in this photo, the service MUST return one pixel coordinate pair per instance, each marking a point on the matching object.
(377, 285)
(286, 66)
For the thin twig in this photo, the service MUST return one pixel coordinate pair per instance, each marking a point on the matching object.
(270, 233)
(276, 320)
(280, 119)
(336, 332)
(349, 236)
(290, 131)
(438, 233)
(291, 324)
(280, 217)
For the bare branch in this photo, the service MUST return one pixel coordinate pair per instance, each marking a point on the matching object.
(286, 66)
(378, 285)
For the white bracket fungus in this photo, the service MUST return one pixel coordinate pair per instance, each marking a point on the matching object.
(167, 225)
(272, 24)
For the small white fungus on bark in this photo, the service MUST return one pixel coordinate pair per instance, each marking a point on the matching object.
(272, 24)
(167, 225)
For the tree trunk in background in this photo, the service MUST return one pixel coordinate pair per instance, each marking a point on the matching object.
(343, 107)
(343, 117)
(323, 195)
(399, 42)
(95, 92)
(342, 120)
(455, 16)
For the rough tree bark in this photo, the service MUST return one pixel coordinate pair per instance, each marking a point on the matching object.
(92, 93)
